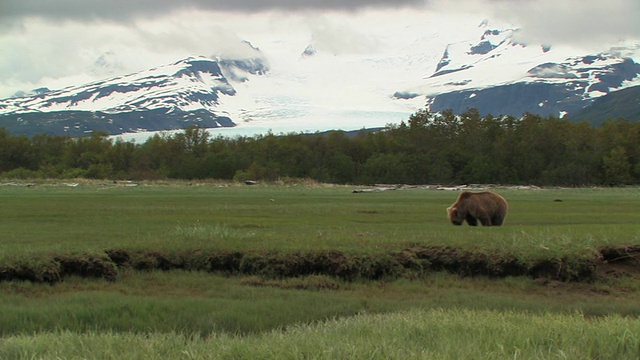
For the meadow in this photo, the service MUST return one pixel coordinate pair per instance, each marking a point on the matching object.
(298, 270)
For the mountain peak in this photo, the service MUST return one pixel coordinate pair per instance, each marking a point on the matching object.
(107, 64)
(310, 50)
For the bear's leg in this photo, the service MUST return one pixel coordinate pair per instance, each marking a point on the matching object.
(485, 220)
(497, 220)
(471, 220)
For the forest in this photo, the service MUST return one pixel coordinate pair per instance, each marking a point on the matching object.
(428, 148)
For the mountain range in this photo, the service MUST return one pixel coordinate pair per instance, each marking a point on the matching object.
(168, 97)
(489, 70)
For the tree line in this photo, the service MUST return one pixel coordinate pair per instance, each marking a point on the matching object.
(428, 148)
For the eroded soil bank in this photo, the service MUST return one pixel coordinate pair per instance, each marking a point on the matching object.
(411, 262)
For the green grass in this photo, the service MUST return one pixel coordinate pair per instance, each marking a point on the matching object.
(182, 314)
(414, 334)
(201, 303)
(44, 219)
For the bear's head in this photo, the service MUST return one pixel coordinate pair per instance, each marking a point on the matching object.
(455, 216)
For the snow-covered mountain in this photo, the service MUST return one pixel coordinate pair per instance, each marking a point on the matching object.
(498, 75)
(291, 86)
(187, 85)
(166, 97)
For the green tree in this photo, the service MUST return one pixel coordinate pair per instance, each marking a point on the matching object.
(16, 152)
(617, 168)
(193, 141)
(50, 151)
(89, 155)
(120, 157)
(386, 169)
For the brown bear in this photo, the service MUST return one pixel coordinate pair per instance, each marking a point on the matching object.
(488, 207)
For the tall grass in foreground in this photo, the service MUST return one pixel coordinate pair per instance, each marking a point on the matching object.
(413, 334)
(201, 303)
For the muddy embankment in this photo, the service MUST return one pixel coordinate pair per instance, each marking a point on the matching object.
(411, 262)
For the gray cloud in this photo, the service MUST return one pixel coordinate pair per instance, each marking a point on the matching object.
(548, 21)
(41, 41)
(122, 10)
(578, 22)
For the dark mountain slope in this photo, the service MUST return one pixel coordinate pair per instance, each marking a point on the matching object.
(618, 104)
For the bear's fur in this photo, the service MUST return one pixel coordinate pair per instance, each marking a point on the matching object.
(488, 207)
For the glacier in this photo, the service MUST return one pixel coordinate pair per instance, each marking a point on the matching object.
(297, 85)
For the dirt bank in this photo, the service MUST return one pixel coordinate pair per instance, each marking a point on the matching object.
(411, 262)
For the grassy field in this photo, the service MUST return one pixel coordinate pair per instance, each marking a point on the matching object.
(48, 218)
(204, 314)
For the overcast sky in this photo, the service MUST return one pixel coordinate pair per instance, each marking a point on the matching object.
(55, 43)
